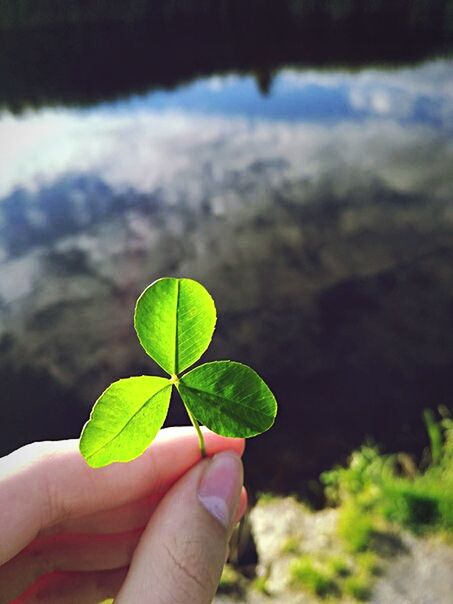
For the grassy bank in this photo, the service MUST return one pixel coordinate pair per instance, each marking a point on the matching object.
(393, 488)
(381, 509)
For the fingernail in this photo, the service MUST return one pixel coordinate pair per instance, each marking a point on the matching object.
(220, 486)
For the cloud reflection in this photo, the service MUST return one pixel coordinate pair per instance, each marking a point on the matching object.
(320, 217)
(386, 121)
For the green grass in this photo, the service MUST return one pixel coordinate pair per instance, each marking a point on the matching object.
(369, 563)
(291, 546)
(336, 576)
(355, 527)
(375, 486)
(338, 566)
(230, 580)
(260, 584)
(358, 586)
(305, 574)
(420, 505)
(263, 498)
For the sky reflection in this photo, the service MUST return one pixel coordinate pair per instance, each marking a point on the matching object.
(422, 94)
(144, 142)
(319, 216)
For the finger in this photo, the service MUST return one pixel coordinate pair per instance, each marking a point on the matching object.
(50, 482)
(181, 554)
(65, 553)
(74, 588)
(242, 505)
(125, 518)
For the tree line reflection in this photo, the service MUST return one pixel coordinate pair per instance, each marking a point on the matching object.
(81, 53)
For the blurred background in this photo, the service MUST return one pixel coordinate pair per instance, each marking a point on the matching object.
(294, 156)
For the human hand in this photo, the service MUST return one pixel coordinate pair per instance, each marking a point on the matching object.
(154, 530)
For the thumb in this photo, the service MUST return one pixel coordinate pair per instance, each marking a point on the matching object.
(182, 551)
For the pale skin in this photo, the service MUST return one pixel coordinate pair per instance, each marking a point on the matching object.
(154, 530)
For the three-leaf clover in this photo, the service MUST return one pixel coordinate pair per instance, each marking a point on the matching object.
(174, 320)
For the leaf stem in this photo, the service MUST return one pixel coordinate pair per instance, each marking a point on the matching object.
(196, 425)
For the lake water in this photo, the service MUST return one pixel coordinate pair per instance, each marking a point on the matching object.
(314, 204)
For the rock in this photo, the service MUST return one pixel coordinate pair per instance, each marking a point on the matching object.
(283, 527)
(424, 575)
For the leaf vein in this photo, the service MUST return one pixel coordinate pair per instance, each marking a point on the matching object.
(176, 357)
(228, 401)
(149, 400)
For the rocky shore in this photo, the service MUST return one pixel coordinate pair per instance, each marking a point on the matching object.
(402, 569)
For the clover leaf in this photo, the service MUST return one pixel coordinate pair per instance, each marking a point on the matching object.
(175, 320)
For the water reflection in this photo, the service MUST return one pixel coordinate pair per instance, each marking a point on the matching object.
(319, 216)
(78, 55)
(143, 142)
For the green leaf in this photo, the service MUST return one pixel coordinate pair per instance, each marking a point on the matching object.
(174, 320)
(229, 398)
(125, 419)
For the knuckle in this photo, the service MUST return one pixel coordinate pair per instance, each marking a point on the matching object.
(54, 505)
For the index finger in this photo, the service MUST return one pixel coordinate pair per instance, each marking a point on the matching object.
(45, 483)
